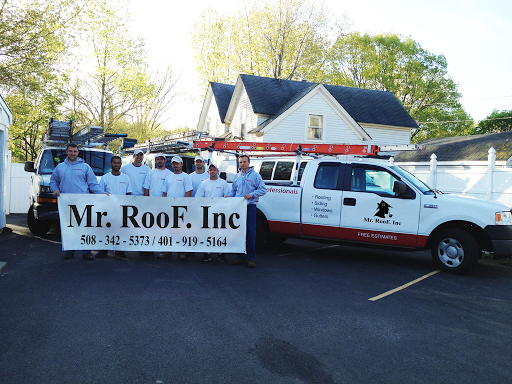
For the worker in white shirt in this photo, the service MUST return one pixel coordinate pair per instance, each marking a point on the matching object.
(213, 187)
(155, 179)
(199, 174)
(115, 183)
(137, 172)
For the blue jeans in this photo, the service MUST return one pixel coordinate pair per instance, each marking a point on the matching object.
(250, 241)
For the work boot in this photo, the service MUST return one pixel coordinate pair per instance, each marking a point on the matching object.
(88, 256)
(206, 257)
(222, 258)
(69, 255)
(119, 254)
(238, 262)
(102, 254)
(251, 263)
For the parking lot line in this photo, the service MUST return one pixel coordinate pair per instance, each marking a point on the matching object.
(308, 250)
(403, 286)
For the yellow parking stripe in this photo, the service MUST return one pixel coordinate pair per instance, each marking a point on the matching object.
(403, 286)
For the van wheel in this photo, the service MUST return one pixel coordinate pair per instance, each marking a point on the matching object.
(37, 227)
(455, 251)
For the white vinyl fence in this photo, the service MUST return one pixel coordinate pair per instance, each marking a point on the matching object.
(19, 190)
(489, 179)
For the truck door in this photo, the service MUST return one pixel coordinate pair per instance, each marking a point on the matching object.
(321, 201)
(373, 213)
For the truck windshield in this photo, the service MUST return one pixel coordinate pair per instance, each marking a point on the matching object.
(99, 161)
(424, 188)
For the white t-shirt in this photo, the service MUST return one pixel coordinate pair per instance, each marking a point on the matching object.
(177, 185)
(197, 178)
(213, 188)
(116, 185)
(137, 177)
(155, 180)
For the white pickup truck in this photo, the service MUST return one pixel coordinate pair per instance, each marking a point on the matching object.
(372, 202)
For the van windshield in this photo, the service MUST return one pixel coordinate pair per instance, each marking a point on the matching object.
(99, 161)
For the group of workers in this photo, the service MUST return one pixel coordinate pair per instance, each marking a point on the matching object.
(73, 175)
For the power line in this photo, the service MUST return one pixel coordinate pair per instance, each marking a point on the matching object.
(455, 102)
(462, 121)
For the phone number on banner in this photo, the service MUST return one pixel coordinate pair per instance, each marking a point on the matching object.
(163, 241)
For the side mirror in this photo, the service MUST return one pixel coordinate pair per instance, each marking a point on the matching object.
(399, 187)
(29, 166)
(223, 175)
(403, 191)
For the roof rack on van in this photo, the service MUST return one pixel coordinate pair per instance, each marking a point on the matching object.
(59, 133)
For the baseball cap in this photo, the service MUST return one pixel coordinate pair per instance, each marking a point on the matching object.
(137, 151)
(160, 155)
(176, 159)
(213, 165)
(199, 158)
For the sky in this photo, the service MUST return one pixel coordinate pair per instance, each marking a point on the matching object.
(475, 36)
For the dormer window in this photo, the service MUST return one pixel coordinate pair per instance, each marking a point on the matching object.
(315, 127)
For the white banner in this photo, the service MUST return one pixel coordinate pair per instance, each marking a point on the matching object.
(160, 224)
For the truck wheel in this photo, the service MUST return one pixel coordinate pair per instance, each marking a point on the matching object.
(455, 251)
(37, 227)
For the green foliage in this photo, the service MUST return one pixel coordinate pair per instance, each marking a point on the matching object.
(497, 121)
(418, 78)
(291, 39)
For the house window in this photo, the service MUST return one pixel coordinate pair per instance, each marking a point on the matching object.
(315, 127)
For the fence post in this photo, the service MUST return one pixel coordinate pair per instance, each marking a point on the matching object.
(491, 165)
(432, 179)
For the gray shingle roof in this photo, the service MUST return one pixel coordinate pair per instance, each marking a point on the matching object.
(270, 96)
(222, 94)
(458, 148)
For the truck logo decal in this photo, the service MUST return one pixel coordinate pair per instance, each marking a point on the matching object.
(383, 210)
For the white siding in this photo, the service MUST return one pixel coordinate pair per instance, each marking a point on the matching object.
(251, 119)
(293, 127)
(388, 136)
(216, 127)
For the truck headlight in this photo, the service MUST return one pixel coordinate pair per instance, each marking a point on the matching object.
(503, 218)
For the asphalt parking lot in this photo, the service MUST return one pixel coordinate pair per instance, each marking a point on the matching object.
(309, 313)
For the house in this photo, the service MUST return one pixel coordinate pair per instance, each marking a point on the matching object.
(5, 162)
(261, 109)
(462, 148)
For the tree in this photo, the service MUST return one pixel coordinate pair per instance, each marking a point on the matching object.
(117, 72)
(418, 78)
(289, 39)
(35, 36)
(497, 121)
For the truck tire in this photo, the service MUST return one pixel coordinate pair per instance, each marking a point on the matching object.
(455, 251)
(37, 227)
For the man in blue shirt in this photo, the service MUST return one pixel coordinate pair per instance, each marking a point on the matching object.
(74, 176)
(248, 184)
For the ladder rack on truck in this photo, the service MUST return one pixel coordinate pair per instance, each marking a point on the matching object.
(175, 143)
(299, 149)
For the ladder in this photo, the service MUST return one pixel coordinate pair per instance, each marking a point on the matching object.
(320, 149)
(300, 149)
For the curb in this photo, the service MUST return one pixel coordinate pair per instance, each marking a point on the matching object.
(2, 265)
